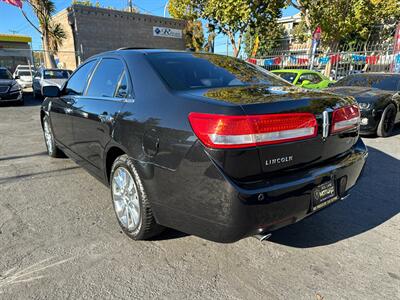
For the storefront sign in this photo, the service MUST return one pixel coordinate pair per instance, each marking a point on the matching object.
(167, 32)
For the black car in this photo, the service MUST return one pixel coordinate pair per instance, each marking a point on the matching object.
(202, 143)
(378, 97)
(10, 90)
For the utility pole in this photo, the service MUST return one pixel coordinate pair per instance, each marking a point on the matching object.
(130, 6)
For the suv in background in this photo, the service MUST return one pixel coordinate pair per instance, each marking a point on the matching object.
(24, 78)
(45, 77)
(25, 68)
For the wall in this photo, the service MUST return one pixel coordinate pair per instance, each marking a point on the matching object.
(96, 30)
(67, 55)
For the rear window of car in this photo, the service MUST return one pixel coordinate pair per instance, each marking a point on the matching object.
(56, 74)
(288, 76)
(24, 73)
(186, 71)
(378, 81)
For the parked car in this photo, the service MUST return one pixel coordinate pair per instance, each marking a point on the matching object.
(24, 68)
(10, 90)
(378, 97)
(202, 143)
(24, 78)
(305, 78)
(44, 77)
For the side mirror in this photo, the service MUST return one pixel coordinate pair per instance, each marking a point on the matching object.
(305, 82)
(16, 77)
(51, 91)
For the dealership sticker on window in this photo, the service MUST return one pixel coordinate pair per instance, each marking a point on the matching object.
(167, 32)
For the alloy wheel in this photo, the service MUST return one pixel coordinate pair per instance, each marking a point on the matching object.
(126, 199)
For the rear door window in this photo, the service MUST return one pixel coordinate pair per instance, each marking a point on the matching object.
(106, 78)
(76, 84)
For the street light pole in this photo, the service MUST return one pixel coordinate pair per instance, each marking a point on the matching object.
(165, 8)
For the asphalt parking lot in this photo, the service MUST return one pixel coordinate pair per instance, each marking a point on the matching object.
(59, 238)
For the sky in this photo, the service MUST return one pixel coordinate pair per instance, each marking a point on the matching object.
(12, 21)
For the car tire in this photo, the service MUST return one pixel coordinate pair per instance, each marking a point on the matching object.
(386, 124)
(21, 102)
(130, 201)
(36, 95)
(52, 149)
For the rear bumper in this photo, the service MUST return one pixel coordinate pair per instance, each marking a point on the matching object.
(211, 206)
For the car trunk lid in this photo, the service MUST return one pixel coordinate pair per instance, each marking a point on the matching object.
(288, 155)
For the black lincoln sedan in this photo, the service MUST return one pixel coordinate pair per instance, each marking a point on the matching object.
(10, 90)
(205, 144)
(378, 96)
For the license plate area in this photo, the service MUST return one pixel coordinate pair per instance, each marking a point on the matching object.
(323, 195)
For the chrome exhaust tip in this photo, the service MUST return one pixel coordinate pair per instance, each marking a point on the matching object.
(263, 237)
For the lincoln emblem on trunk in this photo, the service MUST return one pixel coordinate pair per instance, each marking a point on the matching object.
(279, 160)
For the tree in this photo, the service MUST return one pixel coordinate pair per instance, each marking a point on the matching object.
(52, 33)
(269, 38)
(233, 17)
(193, 32)
(348, 20)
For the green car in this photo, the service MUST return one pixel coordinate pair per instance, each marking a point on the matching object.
(305, 78)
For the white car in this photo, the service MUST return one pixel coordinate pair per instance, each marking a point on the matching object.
(25, 68)
(24, 78)
(44, 77)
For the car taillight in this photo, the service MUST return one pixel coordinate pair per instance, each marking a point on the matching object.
(221, 131)
(345, 118)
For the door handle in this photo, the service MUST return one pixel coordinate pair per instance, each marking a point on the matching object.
(68, 110)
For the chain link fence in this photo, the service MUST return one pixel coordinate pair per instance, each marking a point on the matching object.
(335, 62)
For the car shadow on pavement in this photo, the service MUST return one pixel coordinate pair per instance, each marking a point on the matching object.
(6, 158)
(4, 180)
(373, 201)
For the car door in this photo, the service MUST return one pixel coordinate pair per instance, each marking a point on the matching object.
(61, 107)
(94, 114)
(36, 82)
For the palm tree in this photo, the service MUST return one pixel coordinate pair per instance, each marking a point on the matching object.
(52, 33)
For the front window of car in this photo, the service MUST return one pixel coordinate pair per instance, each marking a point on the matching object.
(76, 84)
(378, 81)
(288, 76)
(56, 74)
(186, 71)
(5, 74)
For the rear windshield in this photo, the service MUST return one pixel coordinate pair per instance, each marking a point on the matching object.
(186, 71)
(5, 74)
(379, 81)
(24, 73)
(56, 74)
(288, 76)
